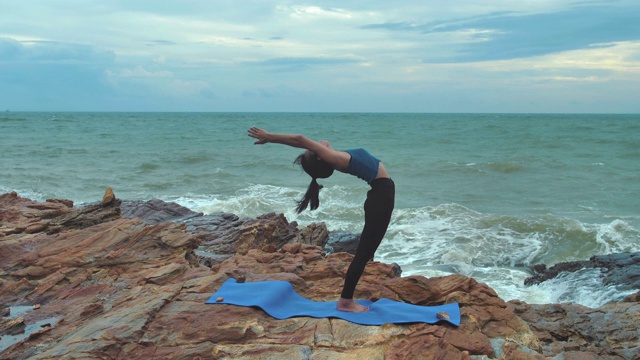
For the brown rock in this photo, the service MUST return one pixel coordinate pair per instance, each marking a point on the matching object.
(632, 298)
(67, 203)
(36, 227)
(19, 215)
(269, 232)
(12, 326)
(108, 197)
(609, 331)
(121, 288)
(92, 309)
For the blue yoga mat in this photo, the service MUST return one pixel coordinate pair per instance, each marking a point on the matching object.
(281, 301)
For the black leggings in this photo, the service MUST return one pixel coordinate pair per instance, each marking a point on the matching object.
(377, 214)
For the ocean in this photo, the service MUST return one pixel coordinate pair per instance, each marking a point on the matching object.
(484, 195)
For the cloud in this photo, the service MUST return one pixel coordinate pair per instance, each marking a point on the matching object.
(140, 72)
(317, 12)
(9, 49)
(301, 63)
(319, 56)
(512, 35)
(160, 43)
(37, 51)
(52, 73)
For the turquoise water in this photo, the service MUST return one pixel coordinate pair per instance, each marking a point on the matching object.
(484, 195)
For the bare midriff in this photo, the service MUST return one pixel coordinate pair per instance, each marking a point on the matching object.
(382, 172)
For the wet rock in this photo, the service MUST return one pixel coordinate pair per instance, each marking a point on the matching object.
(620, 270)
(155, 211)
(212, 223)
(542, 273)
(632, 298)
(341, 241)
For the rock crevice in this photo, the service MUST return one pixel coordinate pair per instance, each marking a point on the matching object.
(129, 280)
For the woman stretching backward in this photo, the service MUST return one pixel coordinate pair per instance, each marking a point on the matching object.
(319, 161)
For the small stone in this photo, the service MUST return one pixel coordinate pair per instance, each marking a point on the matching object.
(241, 279)
(220, 299)
(443, 316)
(36, 306)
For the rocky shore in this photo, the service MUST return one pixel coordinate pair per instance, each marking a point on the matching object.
(128, 280)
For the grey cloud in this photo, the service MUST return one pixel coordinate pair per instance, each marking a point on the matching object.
(9, 49)
(50, 51)
(53, 74)
(436, 26)
(516, 35)
(300, 63)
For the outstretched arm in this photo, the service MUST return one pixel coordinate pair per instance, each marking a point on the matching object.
(294, 140)
(339, 159)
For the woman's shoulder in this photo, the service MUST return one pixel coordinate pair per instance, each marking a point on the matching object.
(341, 159)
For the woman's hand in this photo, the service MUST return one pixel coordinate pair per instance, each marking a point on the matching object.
(261, 135)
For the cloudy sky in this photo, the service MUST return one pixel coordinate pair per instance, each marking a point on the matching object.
(363, 56)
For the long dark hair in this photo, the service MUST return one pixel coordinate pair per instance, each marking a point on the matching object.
(317, 169)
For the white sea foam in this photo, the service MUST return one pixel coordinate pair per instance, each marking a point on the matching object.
(583, 287)
(614, 237)
(251, 201)
(453, 239)
(25, 193)
(456, 236)
(509, 284)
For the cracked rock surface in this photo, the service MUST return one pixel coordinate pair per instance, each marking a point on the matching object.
(126, 288)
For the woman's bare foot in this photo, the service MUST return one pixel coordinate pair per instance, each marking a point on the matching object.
(350, 306)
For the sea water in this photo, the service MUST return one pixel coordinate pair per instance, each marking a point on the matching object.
(484, 195)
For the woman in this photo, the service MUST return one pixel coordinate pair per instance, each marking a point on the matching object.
(319, 161)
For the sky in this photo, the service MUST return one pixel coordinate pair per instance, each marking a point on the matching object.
(506, 56)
